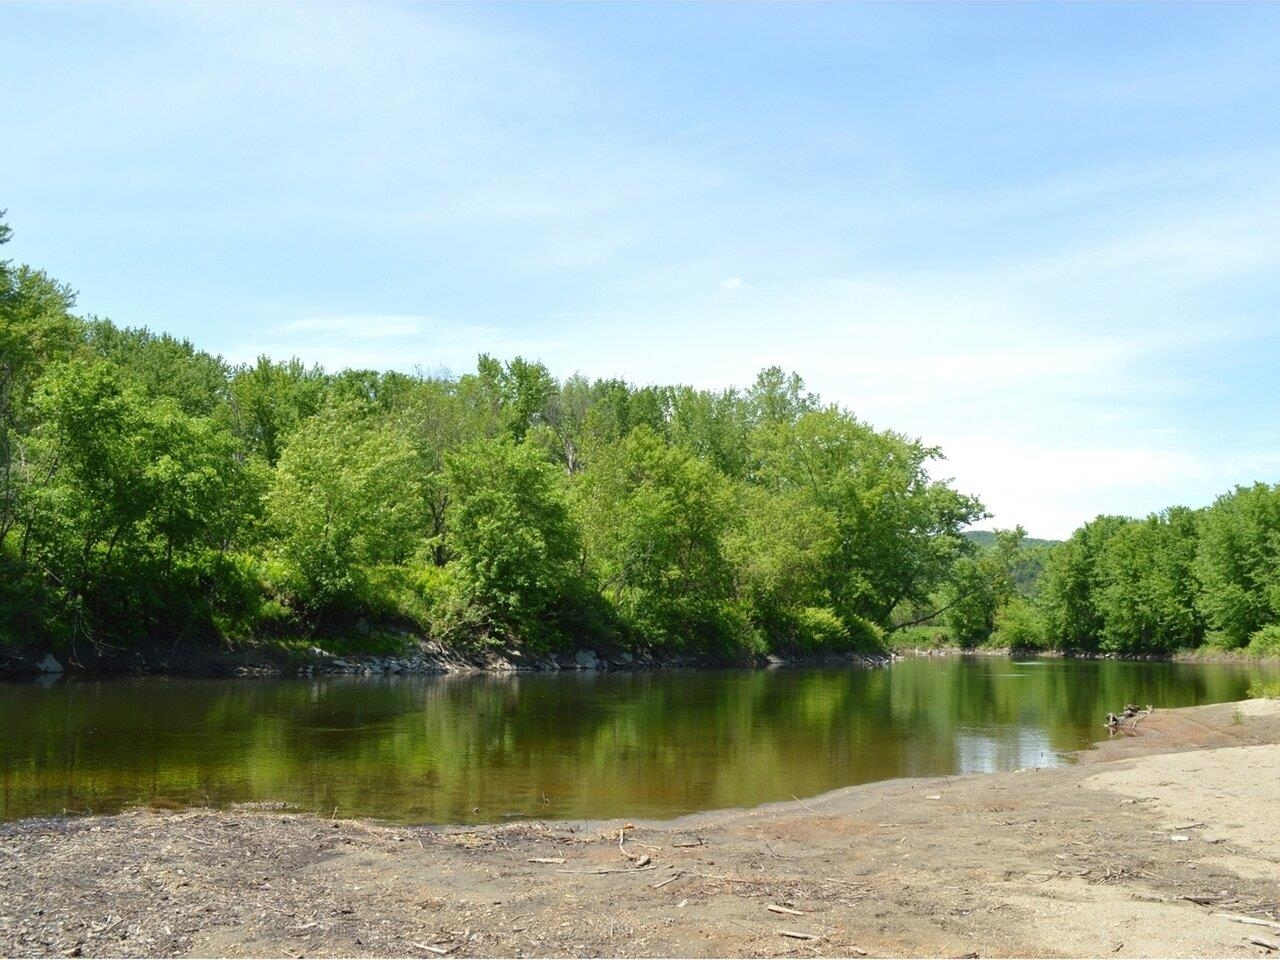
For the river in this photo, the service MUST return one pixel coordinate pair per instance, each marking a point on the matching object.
(489, 748)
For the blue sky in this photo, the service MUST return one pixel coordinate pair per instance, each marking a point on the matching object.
(1045, 238)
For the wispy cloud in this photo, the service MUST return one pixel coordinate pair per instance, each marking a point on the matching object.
(362, 326)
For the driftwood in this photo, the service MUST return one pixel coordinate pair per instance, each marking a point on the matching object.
(1265, 944)
(1238, 918)
(797, 935)
(1130, 712)
(612, 870)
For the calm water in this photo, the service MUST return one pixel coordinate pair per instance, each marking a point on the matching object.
(561, 746)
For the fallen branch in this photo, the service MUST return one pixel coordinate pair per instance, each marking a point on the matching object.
(1265, 944)
(1253, 920)
(662, 883)
(546, 860)
(797, 935)
(777, 909)
(612, 870)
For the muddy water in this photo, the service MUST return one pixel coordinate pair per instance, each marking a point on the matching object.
(563, 746)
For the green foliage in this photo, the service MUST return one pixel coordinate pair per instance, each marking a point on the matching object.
(1265, 642)
(1176, 580)
(344, 497)
(1238, 562)
(510, 536)
(653, 520)
(1019, 626)
(979, 586)
(150, 489)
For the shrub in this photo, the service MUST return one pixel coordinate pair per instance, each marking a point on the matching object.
(1265, 642)
(1019, 626)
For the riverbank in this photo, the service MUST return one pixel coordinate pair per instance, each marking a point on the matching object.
(1134, 852)
(388, 655)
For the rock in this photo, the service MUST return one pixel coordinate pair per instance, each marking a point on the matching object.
(49, 664)
(586, 659)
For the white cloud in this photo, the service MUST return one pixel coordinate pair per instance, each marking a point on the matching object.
(733, 283)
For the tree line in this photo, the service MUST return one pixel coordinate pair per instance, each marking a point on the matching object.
(149, 489)
(1175, 580)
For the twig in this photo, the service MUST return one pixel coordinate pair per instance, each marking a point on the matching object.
(1253, 920)
(797, 935)
(777, 909)
(662, 883)
(1266, 944)
(809, 808)
(613, 870)
(426, 946)
(545, 860)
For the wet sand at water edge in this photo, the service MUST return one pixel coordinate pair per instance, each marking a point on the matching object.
(1155, 844)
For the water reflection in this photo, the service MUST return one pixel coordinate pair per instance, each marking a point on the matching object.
(578, 745)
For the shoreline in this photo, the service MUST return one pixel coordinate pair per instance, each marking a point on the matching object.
(425, 658)
(1134, 851)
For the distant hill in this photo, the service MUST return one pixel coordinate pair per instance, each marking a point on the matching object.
(987, 538)
(1027, 566)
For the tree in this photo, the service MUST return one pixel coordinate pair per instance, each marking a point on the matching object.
(270, 399)
(1073, 581)
(1238, 562)
(897, 531)
(1147, 598)
(345, 496)
(653, 519)
(132, 497)
(980, 586)
(510, 536)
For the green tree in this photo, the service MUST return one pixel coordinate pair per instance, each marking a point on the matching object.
(134, 500)
(271, 399)
(654, 518)
(897, 531)
(1238, 562)
(510, 536)
(1147, 599)
(979, 587)
(345, 496)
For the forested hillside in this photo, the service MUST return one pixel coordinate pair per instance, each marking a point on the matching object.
(151, 490)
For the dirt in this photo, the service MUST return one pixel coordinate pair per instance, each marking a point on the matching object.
(1134, 852)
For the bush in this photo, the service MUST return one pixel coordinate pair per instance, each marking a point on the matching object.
(921, 638)
(1019, 626)
(820, 628)
(1265, 642)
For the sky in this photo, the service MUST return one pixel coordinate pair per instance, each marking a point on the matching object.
(1045, 238)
